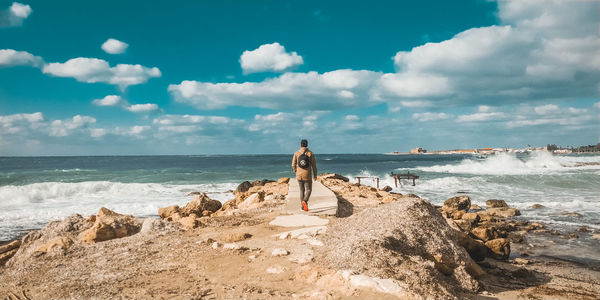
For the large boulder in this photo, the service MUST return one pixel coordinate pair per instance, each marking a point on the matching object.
(255, 200)
(243, 187)
(485, 233)
(476, 248)
(457, 206)
(498, 248)
(168, 211)
(111, 225)
(495, 203)
(197, 206)
(408, 241)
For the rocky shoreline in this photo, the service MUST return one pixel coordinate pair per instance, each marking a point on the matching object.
(380, 245)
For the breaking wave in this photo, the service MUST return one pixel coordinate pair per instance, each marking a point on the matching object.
(509, 164)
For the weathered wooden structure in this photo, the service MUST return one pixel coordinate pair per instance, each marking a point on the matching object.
(368, 177)
(408, 175)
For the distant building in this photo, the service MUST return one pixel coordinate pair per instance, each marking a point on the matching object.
(418, 150)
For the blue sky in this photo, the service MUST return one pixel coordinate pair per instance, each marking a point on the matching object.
(236, 77)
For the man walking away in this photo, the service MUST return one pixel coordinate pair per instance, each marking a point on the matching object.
(302, 163)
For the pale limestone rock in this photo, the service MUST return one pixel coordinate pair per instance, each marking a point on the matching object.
(253, 201)
(314, 242)
(231, 246)
(275, 270)
(302, 232)
(298, 221)
(279, 252)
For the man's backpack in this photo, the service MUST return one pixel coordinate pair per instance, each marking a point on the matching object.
(303, 160)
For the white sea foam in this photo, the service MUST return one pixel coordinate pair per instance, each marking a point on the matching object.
(538, 162)
(33, 205)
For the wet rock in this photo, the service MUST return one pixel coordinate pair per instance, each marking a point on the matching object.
(485, 233)
(583, 229)
(457, 215)
(571, 214)
(465, 225)
(498, 248)
(110, 225)
(387, 188)
(243, 187)
(494, 203)
(484, 216)
(503, 212)
(573, 235)
(533, 226)
(537, 206)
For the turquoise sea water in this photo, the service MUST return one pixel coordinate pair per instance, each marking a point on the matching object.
(36, 190)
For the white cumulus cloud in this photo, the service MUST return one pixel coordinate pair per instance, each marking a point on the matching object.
(61, 128)
(307, 91)
(428, 116)
(15, 14)
(143, 108)
(10, 57)
(269, 57)
(110, 100)
(113, 46)
(98, 70)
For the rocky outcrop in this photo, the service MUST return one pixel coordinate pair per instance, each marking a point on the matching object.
(110, 225)
(200, 204)
(503, 212)
(187, 216)
(391, 243)
(268, 193)
(456, 207)
(495, 203)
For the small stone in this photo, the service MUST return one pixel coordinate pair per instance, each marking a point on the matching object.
(252, 257)
(521, 261)
(475, 207)
(234, 237)
(485, 233)
(283, 180)
(231, 246)
(279, 252)
(498, 248)
(537, 205)
(596, 236)
(471, 217)
(583, 229)
(314, 242)
(571, 214)
(573, 235)
(215, 245)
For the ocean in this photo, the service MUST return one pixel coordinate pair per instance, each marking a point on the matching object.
(37, 190)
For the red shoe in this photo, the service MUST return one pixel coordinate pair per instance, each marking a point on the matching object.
(304, 206)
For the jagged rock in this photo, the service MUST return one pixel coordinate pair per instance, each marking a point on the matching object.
(573, 235)
(283, 180)
(12, 245)
(485, 216)
(61, 242)
(537, 205)
(234, 237)
(200, 203)
(387, 188)
(454, 204)
(498, 248)
(485, 233)
(503, 212)
(243, 187)
(465, 225)
(255, 200)
(333, 176)
(110, 225)
(388, 241)
(474, 217)
(495, 203)
(168, 211)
